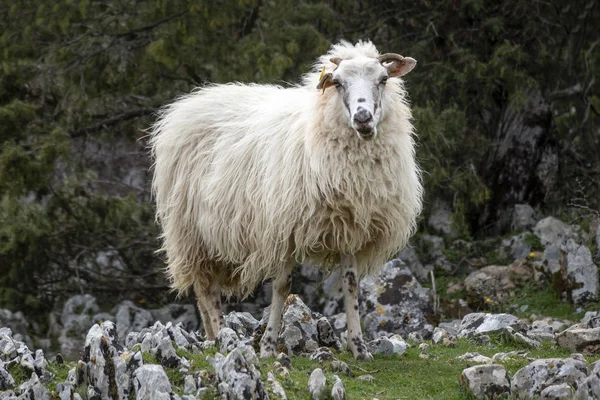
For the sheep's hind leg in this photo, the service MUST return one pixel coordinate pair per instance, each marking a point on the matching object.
(214, 308)
(203, 301)
(281, 289)
(356, 343)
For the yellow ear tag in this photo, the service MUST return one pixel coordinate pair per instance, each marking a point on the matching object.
(327, 81)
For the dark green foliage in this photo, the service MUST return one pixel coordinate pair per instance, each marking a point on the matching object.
(78, 76)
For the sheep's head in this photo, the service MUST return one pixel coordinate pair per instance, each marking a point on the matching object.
(360, 83)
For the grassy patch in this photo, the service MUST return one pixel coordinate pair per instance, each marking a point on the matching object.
(408, 376)
(19, 373)
(60, 372)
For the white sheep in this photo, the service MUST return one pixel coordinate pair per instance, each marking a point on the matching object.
(250, 180)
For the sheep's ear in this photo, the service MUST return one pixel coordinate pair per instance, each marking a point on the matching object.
(397, 68)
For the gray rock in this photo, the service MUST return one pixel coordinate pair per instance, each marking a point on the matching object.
(438, 335)
(478, 323)
(104, 367)
(176, 313)
(409, 256)
(520, 338)
(557, 392)
(381, 345)
(496, 282)
(189, 385)
(399, 344)
(523, 218)
(440, 219)
(530, 380)
(299, 333)
(476, 358)
(322, 354)
(6, 380)
(66, 391)
(583, 340)
(284, 360)
(33, 389)
(515, 247)
(511, 355)
(435, 247)
(589, 388)
(591, 319)
(551, 259)
(10, 347)
(486, 381)
(76, 318)
(243, 323)
(451, 327)
(275, 386)
(150, 382)
(317, 384)
(366, 378)
(238, 376)
(338, 392)
(227, 340)
(18, 326)
(554, 232)
(582, 273)
(340, 366)
(394, 301)
(131, 318)
(326, 334)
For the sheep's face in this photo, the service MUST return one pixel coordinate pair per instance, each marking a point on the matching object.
(360, 84)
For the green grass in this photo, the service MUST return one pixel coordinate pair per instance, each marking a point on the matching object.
(407, 376)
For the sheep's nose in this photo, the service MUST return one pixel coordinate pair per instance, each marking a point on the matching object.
(362, 116)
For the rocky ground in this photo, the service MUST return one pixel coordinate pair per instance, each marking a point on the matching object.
(510, 317)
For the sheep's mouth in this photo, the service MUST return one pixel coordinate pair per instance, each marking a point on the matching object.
(366, 133)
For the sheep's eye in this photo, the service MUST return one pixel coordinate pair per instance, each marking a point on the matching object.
(383, 80)
(336, 83)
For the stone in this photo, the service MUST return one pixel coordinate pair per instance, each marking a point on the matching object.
(150, 382)
(394, 302)
(486, 381)
(518, 337)
(33, 389)
(586, 340)
(530, 380)
(438, 335)
(523, 218)
(479, 323)
(475, 357)
(552, 231)
(131, 318)
(238, 376)
(299, 331)
(496, 282)
(451, 327)
(591, 319)
(410, 258)
(589, 388)
(243, 323)
(6, 380)
(104, 365)
(322, 354)
(440, 219)
(366, 378)
(435, 248)
(190, 385)
(326, 335)
(399, 344)
(317, 384)
(18, 325)
(581, 273)
(284, 360)
(176, 313)
(511, 355)
(381, 345)
(557, 392)
(76, 319)
(340, 366)
(275, 387)
(227, 340)
(516, 247)
(338, 392)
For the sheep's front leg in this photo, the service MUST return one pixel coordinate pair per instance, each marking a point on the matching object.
(281, 289)
(356, 343)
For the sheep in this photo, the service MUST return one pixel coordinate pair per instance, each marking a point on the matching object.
(250, 180)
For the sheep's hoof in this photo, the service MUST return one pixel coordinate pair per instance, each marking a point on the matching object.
(364, 356)
(359, 349)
